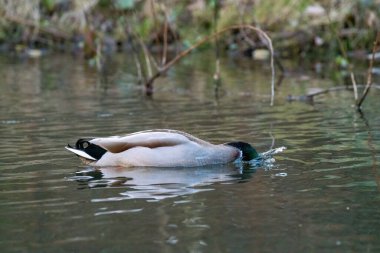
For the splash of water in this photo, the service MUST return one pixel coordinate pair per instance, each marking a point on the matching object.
(271, 152)
(266, 158)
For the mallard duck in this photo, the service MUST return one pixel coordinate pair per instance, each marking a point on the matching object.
(159, 148)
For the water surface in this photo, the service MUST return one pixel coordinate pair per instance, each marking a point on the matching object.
(321, 195)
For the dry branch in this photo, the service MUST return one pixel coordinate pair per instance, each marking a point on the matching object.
(136, 59)
(149, 83)
(310, 96)
(216, 41)
(165, 42)
(354, 86)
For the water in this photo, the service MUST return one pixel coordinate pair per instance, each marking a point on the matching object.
(320, 195)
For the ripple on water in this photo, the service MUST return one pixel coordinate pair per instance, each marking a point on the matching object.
(362, 184)
(118, 212)
(321, 192)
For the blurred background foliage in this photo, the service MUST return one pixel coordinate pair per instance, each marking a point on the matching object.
(321, 29)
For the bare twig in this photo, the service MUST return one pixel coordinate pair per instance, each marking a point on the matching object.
(165, 49)
(217, 60)
(163, 61)
(136, 58)
(242, 11)
(149, 83)
(369, 73)
(146, 56)
(155, 20)
(313, 94)
(168, 30)
(99, 55)
(138, 68)
(165, 30)
(310, 96)
(354, 86)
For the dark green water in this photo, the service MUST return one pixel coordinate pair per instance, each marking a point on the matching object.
(321, 195)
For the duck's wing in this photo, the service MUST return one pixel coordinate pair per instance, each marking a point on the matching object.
(150, 139)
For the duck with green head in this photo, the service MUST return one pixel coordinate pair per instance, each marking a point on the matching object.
(159, 148)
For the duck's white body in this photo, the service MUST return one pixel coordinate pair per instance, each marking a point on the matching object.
(156, 148)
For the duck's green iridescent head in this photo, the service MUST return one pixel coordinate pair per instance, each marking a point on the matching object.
(248, 152)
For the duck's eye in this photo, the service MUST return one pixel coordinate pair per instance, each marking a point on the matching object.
(85, 144)
(82, 144)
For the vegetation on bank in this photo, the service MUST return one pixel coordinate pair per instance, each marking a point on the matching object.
(297, 27)
(159, 33)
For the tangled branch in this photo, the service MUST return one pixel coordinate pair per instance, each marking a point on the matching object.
(150, 81)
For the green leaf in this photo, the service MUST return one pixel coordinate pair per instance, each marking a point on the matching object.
(341, 61)
(49, 4)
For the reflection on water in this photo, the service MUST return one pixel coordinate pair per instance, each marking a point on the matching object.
(156, 183)
(159, 183)
(321, 195)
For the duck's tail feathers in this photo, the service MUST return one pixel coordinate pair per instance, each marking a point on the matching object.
(80, 153)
